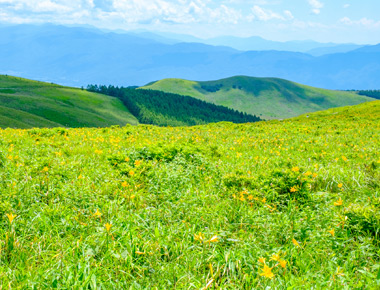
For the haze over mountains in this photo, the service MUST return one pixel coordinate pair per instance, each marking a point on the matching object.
(255, 43)
(79, 56)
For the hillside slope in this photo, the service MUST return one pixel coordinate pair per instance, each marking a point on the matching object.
(26, 104)
(166, 109)
(268, 98)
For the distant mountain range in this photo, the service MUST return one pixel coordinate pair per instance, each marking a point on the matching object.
(79, 56)
(268, 98)
(256, 43)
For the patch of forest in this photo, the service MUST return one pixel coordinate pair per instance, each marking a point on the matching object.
(370, 93)
(167, 109)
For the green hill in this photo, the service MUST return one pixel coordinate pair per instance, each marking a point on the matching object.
(269, 98)
(167, 109)
(26, 104)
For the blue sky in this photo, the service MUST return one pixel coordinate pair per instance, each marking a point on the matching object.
(356, 21)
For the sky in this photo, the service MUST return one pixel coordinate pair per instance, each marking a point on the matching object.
(339, 21)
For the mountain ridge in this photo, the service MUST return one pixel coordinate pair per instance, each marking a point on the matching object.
(80, 56)
(269, 98)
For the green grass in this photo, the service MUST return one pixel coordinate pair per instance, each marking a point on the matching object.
(145, 207)
(269, 98)
(26, 104)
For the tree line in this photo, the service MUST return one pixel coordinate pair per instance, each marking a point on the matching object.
(370, 93)
(167, 109)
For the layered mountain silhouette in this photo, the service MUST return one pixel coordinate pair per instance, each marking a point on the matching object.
(78, 56)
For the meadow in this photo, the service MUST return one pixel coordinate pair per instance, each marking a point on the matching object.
(26, 104)
(280, 204)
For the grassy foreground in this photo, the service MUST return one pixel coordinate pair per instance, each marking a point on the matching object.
(278, 204)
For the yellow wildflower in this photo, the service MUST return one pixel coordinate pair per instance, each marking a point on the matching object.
(108, 226)
(45, 169)
(262, 260)
(267, 272)
(332, 232)
(200, 237)
(137, 163)
(11, 217)
(295, 243)
(97, 213)
(340, 185)
(295, 169)
(339, 202)
(214, 239)
(126, 159)
(275, 257)
(124, 184)
(293, 189)
(283, 263)
(131, 173)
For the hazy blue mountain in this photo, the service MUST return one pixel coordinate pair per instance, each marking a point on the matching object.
(80, 56)
(369, 48)
(178, 37)
(156, 37)
(341, 48)
(257, 43)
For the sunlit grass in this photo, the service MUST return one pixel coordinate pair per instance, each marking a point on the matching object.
(278, 204)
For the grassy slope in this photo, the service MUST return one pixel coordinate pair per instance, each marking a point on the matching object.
(127, 210)
(26, 104)
(270, 98)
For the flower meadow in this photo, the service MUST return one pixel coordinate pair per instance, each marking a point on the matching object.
(293, 203)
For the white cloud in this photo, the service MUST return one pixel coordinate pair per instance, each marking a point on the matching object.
(41, 11)
(288, 14)
(316, 6)
(200, 17)
(54, 6)
(225, 14)
(308, 24)
(369, 23)
(48, 6)
(180, 11)
(265, 14)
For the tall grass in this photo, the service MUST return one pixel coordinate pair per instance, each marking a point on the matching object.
(278, 204)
